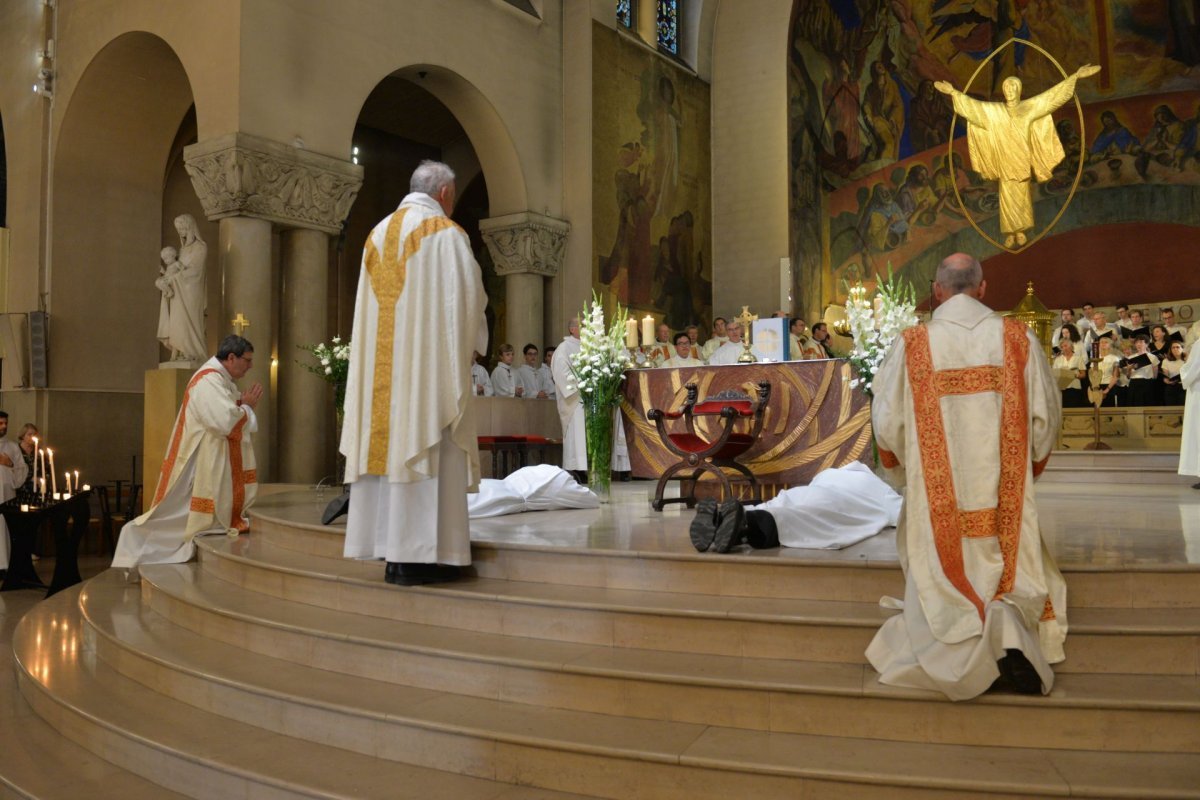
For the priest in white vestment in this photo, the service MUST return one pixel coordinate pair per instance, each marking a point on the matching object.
(719, 338)
(682, 357)
(731, 351)
(13, 472)
(570, 404)
(1189, 449)
(966, 413)
(208, 480)
(409, 431)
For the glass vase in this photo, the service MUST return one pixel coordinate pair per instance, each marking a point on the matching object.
(598, 425)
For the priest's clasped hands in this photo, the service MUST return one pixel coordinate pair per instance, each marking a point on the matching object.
(251, 396)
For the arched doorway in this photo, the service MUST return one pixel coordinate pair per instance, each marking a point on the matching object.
(110, 177)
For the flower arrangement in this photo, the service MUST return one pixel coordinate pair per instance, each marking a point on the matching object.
(598, 370)
(333, 365)
(875, 324)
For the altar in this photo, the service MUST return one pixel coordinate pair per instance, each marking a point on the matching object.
(814, 418)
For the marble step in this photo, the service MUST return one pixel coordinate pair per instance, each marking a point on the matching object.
(612, 756)
(1122, 712)
(199, 754)
(1115, 466)
(1118, 640)
(796, 574)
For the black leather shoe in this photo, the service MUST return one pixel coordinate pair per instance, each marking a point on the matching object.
(1018, 673)
(704, 526)
(731, 526)
(761, 532)
(337, 507)
(414, 574)
(392, 571)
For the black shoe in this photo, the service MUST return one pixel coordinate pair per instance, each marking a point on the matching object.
(392, 571)
(704, 526)
(731, 526)
(761, 532)
(1196, 485)
(337, 507)
(1018, 673)
(414, 574)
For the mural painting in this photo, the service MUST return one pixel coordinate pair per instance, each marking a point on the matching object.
(863, 103)
(651, 239)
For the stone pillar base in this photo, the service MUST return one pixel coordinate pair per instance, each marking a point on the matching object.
(164, 395)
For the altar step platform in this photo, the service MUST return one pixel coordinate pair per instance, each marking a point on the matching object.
(595, 654)
(1116, 466)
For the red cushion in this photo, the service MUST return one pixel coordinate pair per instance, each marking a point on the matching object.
(743, 407)
(500, 439)
(737, 444)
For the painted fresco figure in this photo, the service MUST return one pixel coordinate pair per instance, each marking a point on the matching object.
(884, 111)
(1114, 139)
(1007, 141)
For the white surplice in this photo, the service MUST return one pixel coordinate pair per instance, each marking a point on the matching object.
(1189, 448)
(527, 378)
(542, 487)
(481, 380)
(570, 405)
(504, 381)
(966, 413)
(409, 431)
(208, 480)
(546, 380)
(11, 479)
(726, 354)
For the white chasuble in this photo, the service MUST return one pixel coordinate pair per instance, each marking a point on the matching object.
(967, 411)
(409, 432)
(1189, 449)
(570, 405)
(208, 480)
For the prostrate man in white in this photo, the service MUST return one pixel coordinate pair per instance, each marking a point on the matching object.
(207, 481)
(504, 377)
(729, 352)
(527, 375)
(683, 353)
(545, 375)
(570, 405)
(409, 432)
(719, 338)
(480, 379)
(966, 413)
(13, 472)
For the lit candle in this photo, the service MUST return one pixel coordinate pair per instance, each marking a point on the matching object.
(647, 331)
(631, 333)
(57, 496)
(42, 471)
(43, 482)
(35, 460)
(87, 487)
(24, 506)
(53, 477)
(67, 475)
(76, 481)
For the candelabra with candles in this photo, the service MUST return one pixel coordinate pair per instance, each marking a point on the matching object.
(43, 482)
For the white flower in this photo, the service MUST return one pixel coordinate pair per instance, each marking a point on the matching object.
(329, 370)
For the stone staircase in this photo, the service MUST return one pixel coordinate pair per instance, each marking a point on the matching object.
(274, 668)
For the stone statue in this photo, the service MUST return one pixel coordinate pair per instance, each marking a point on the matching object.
(1008, 141)
(182, 281)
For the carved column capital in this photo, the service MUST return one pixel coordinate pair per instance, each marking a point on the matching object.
(243, 175)
(526, 243)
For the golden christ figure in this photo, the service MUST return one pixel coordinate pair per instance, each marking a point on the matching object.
(1008, 141)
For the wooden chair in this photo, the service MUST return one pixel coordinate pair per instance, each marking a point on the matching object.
(112, 520)
(700, 455)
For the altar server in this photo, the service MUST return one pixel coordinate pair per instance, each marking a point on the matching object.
(682, 357)
(729, 352)
(504, 377)
(207, 482)
(966, 413)
(409, 432)
(480, 379)
(719, 338)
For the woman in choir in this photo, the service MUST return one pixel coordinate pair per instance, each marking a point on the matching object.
(1173, 392)
(1110, 372)
(1143, 380)
(1074, 395)
(1159, 344)
(1067, 331)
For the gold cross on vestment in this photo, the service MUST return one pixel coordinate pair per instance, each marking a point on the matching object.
(240, 323)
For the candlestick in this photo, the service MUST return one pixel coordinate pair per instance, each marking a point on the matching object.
(76, 481)
(67, 475)
(35, 460)
(53, 476)
(647, 330)
(631, 333)
(42, 471)
(43, 480)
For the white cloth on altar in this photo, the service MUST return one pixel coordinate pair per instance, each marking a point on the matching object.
(1189, 448)
(570, 407)
(11, 479)
(409, 433)
(940, 642)
(207, 482)
(726, 354)
(838, 508)
(677, 361)
(542, 487)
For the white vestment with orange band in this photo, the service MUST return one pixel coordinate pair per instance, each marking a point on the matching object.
(208, 479)
(409, 433)
(965, 413)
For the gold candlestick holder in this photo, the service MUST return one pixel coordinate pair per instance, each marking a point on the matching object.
(746, 319)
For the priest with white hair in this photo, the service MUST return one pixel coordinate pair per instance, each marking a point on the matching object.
(729, 352)
(409, 432)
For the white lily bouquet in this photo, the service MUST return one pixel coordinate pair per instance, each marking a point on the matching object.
(333, 366)
(598, 370)
(875, 324)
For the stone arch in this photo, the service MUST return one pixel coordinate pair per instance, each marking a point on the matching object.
(108, 171)
(489, 136)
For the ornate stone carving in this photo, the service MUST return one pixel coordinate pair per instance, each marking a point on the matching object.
(242, 175)
(526, 243)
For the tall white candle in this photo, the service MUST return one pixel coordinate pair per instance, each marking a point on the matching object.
(631, 333)
(67, 475)
(76, 482)
(35, 460)
(42, 471)
(647, 331)
(53, 477)
(43, 482)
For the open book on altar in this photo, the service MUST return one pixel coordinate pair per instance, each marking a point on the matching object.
(770, 340)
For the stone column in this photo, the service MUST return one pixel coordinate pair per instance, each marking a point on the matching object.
(527, 248)
(304, 406)
(250, 184)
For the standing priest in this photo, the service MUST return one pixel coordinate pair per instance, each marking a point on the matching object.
(967, 408)
(208, 480)
(409, 432)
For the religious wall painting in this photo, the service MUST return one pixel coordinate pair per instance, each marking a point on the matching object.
(651, 235)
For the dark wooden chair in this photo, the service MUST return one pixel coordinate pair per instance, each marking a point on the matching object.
(111, 520)
(699, 455)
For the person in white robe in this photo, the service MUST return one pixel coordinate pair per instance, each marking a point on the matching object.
(542, 487)
(966, 413)
(729, 352)
(682, 357)
(504, 377)
(662, 349)
(480, 380)
(527, 374)
(570, 405)
(719, 338)
(409, 431)
(545, 375)
(13, 472)
(1189, 449)
(208, 480)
